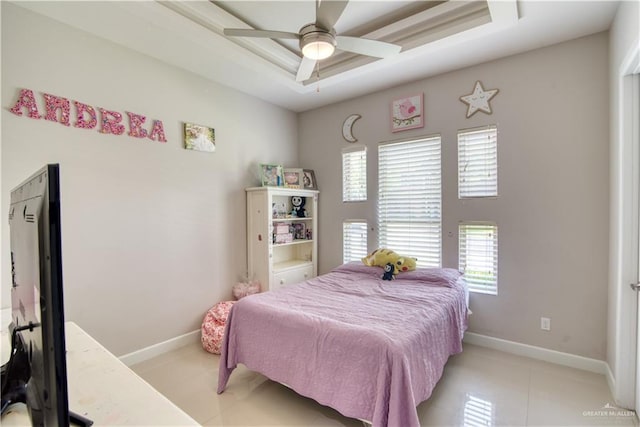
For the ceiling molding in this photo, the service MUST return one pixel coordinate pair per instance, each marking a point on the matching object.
(410, 27)
(435, 23)
(504, 12)
(216, 19)
(188, 35)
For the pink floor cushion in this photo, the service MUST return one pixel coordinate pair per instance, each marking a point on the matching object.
(213, 326)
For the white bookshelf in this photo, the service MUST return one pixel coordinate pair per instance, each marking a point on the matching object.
(280, 264)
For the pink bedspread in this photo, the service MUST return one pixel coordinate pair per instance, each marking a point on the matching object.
(371, 349)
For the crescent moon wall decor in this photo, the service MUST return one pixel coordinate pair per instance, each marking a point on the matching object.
(479, 99)
(347, 127)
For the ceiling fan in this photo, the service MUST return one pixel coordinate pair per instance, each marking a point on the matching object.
(319, 40)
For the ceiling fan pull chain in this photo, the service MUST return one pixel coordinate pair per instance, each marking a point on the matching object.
(318, 76)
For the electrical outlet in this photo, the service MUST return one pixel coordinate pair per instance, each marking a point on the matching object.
(545, 323)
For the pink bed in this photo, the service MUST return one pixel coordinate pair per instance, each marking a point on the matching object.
(369, 348)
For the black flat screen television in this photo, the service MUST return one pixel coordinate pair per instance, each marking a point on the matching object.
(36, 372)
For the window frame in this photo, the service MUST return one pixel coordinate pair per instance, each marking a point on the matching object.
(353, 183)
(474, 285)
(346, 231)
(419, 233)
(465, 190)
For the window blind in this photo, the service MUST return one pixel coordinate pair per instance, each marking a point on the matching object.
(409, 199)
(354, 174)
(478, 256)
(354, 240)
(478, 162)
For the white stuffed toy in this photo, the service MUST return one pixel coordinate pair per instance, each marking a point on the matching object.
(243, 289)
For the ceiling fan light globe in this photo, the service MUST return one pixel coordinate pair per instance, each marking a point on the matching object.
(316, 43)
(318, 50)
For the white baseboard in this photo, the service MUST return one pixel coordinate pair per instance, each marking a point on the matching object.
(552, 356)
(611, 380)
(136, 356)
(160, 348)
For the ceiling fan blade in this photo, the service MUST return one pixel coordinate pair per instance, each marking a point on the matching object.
(328, 12)
(247, 32)
(306, 69)
(367, 47)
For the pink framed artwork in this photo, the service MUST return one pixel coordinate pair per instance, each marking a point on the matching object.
(407, 113)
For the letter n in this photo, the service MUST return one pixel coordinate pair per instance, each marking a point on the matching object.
(53, 103)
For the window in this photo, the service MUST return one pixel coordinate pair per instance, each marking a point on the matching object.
(354, 240)
(409, 199)
(478, 162)
(479, 256)
(354, 174)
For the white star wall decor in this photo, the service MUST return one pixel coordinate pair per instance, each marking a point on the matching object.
(478, 99)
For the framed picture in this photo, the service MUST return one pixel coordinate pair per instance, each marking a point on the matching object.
(279, 210)
(309, 180)
(292, 178)
(299, 231)
(271, 175)
(407, 113)
(199, 138)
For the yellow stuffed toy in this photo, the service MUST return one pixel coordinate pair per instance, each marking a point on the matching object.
(381, 257)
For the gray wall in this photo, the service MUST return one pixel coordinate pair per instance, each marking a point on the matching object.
(153, 234)
(552, 209)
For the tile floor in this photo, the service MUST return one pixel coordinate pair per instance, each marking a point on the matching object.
(480, 387)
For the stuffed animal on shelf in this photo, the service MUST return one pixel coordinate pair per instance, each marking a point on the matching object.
(381, 257)
(388, 272)
(298, 203)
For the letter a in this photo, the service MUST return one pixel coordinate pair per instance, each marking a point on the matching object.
(27, 100)
(158, 131)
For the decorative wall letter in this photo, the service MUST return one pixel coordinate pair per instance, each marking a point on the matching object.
(58, 110)
(26, 99)
(135, 125)
(111, 122)
(53, 103)
(80, 121)
(157, 130)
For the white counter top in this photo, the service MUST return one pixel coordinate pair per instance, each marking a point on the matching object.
(104, 389)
